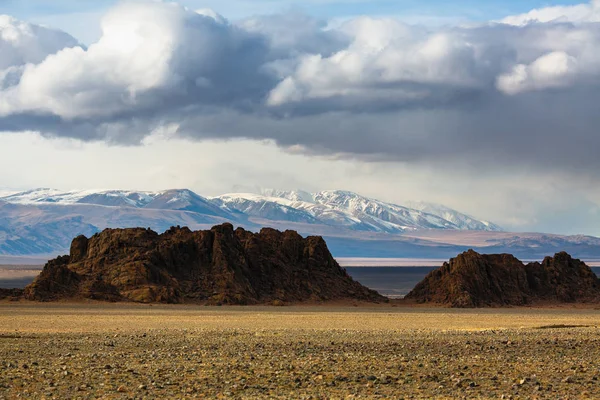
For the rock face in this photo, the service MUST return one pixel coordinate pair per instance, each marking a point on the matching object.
(475, 280)
(218, 266)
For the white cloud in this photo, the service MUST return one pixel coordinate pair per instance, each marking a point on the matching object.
(576, 13)
(383, 53)
(160, 62)
(552, 70)
(148, 52)
(22, 43)
(218, 18)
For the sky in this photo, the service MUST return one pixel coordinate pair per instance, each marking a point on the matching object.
(81, 18)
(487, 108)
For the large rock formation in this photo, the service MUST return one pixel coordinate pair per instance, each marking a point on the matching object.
(475, 280)
(221, 265)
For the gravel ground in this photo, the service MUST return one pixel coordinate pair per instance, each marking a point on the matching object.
(125, 352)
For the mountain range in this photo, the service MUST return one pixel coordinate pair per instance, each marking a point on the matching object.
(337, 208)
(43, 221)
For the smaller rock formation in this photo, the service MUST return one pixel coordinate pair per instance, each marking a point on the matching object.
(476, 280)
(12, 294)
(217, 266)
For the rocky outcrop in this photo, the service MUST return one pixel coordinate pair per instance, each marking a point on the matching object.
(12, 294)
(219, 266)
(476, 280)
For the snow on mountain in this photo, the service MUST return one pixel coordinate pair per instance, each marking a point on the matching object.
(117, 198)
(45, 220)
(183, 199)
(343, 209)
(382, 216)
(337, 209)
(112, 198)
(7, 192)
(270, 208)
(33, 196)
(462, 221)
(294, 195)
(186, 200)
(290, 210)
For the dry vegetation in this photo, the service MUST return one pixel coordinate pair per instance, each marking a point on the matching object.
(128, 351)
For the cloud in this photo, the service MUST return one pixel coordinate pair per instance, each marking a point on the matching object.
(516, 94)
(386, 59)
(22, 43)
(576, 13)
(150, 56)
(551, 70)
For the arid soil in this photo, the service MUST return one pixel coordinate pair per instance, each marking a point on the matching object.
(119, 351)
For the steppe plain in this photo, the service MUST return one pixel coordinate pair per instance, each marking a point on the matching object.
(339, 351)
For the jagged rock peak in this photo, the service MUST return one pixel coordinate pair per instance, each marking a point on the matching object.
(475, 280)
(221, 265)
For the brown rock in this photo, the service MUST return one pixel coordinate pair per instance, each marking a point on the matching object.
(10, 293)
(475, 280)
(221, 266)
(563, 279)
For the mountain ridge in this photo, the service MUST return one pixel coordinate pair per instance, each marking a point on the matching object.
(367, 213)
(42, 221)
(349, 209)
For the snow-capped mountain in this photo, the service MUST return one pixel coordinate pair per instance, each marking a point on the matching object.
(43, 221)
(342, 209)
(462, 221)
(332, 208)
(361, 213)
(284, 209)
(186, 200)
(253, 205)
(380, 214)
(177, 199)
(111, 198)
(294, 195)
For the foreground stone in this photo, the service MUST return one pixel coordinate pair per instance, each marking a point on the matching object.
(218, 266)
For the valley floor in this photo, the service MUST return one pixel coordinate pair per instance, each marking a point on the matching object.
(134, 351)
